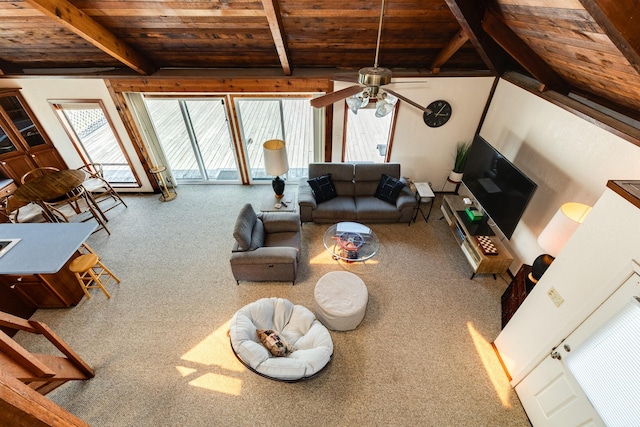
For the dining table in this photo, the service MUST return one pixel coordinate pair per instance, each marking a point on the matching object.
(49, 187)
(53, 187)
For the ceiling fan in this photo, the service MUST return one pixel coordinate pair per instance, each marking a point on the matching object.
(369, 88)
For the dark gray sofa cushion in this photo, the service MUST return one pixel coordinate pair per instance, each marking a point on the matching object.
(367, 176)
(341, 175)
(249, 230)
(371, 209)
(342, 208)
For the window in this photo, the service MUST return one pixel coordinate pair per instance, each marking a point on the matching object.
(93, 136)
(367, 137)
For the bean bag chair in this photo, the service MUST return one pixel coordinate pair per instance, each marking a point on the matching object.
(309, 343)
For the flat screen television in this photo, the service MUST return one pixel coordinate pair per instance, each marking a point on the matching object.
(500, 188)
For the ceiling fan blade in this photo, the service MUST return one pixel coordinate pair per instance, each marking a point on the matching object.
(330, 98)
(407, 100)
(345, 78)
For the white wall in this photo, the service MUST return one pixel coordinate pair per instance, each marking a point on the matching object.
(426, 154)
(37, 92)
(569, 158)
(585, 274)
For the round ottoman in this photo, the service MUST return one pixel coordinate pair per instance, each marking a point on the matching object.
(340, 300)
(299, 328)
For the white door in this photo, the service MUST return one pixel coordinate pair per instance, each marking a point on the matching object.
(552, 397)
(551, 394)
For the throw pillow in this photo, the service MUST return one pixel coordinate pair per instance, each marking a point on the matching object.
(272, 341)
(389, 189)
(323, 188)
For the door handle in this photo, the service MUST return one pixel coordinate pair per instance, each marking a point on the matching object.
(556, 355)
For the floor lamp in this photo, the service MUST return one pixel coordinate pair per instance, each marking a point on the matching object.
(555, 235)
(276, 164)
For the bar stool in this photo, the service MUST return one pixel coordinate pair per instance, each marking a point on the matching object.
(89, 269)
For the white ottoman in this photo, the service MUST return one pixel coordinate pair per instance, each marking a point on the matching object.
(340, 300)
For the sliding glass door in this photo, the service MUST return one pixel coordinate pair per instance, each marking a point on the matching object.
(289, 119)
(197, 140)
(195, 137)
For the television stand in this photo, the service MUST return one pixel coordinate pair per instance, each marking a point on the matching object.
(464, 232)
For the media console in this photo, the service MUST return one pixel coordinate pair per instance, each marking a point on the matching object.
(464, 231)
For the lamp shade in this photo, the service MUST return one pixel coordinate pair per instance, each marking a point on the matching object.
(561, 227)
(275, 157)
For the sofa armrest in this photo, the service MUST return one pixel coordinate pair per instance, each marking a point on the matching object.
(265, 255)
(406, 199)
(277, 222)
(305, 195)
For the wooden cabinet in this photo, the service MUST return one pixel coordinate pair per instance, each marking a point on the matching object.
(35, 292)
(11, 303)
(23, 144)
(464, 232)
(515, 294)
(56, 290)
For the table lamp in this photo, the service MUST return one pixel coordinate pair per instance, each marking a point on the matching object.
(555, 235)
(276, 164)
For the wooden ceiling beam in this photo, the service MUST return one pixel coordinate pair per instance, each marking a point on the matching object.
(619, 20)
(83, 25)
(7, 67)
(523, 54)
(272, 10)
(469, 14)
(449, 50)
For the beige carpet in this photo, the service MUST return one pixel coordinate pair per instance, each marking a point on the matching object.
(160, 350)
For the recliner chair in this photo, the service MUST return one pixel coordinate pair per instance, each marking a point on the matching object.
(266, 247)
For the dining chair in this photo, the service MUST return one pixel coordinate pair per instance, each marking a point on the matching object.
(78, 206)
(38, 172)
(15, 212)
(98, 186)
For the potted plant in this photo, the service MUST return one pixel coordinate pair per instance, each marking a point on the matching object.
(460, 158)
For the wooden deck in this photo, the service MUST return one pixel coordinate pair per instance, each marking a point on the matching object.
(260, 122)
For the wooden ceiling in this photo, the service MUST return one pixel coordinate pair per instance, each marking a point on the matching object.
(587, 47)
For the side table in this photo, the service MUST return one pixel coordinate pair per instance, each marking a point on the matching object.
(270, 202)
(515, 294)
(425, 193)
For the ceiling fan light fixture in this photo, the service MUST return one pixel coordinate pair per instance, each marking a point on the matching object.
(385, 104)
(357, 101)
(353, 103)
(390, 98)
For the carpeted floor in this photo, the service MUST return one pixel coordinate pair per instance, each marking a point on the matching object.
(159, 346)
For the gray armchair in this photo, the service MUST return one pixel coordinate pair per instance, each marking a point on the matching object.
(266, 246)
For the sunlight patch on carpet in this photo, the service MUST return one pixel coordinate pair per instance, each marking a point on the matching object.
(215, 350)
(220, 383)
(491, 365)
(325, 258)
(185, 371)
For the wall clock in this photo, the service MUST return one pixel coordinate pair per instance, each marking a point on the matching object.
(440, 113)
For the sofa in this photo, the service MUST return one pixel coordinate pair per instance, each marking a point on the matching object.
(357, 194)
(266, 246)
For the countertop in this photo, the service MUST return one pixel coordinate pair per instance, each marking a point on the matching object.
(44, 248)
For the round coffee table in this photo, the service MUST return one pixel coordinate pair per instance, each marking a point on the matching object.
(351, 241)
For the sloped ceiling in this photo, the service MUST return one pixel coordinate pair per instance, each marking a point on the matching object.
(588, 47)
